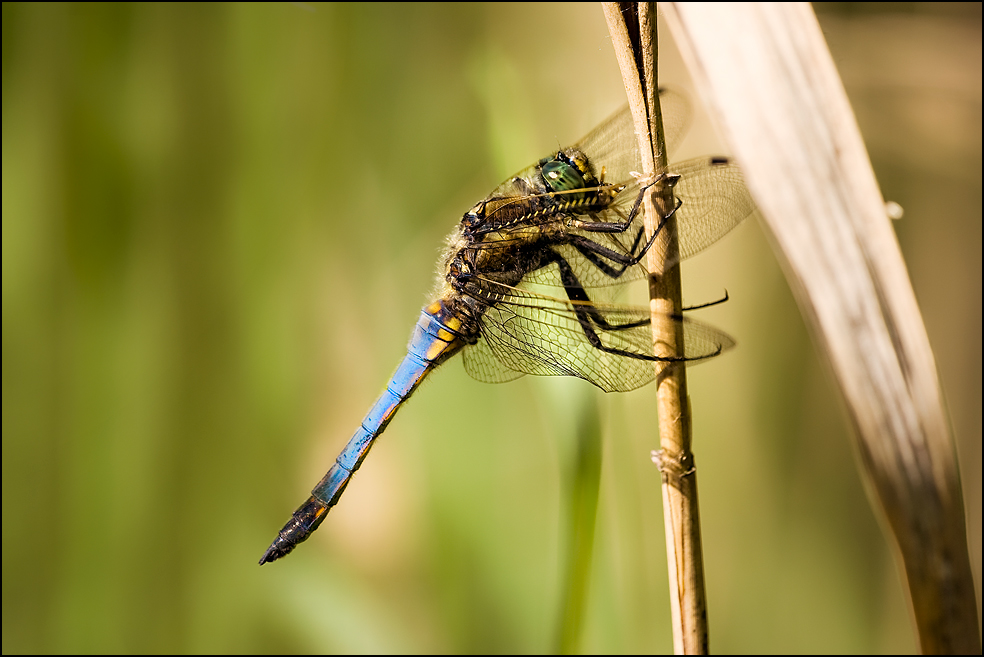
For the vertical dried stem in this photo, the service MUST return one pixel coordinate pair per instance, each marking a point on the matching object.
(633, 30)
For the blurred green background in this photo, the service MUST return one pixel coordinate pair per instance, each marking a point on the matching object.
(220, 223)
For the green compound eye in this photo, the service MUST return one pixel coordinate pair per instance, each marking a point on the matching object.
(561, 176)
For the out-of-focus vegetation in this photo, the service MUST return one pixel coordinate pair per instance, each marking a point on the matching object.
(219, 225)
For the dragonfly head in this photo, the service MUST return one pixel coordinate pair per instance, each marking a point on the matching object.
(566, 171)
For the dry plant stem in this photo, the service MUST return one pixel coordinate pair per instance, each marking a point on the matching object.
(633, 30)
(766, 75)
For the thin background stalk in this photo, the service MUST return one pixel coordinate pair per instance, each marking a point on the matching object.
(585, 482)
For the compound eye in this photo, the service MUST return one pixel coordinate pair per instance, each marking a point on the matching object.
(561, 176)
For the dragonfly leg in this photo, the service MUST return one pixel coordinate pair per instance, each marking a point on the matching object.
(589, 317)
(716, 302)
(668, 180)
(594, 251)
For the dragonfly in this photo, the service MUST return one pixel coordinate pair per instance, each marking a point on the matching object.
(530, 275)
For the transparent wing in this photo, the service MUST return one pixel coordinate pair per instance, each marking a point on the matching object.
(529, 333)
(714, 200)
(482, 364)
(712, 190)
(614, 146)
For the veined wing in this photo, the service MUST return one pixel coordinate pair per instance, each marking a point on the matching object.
(712, 200)
(610, 346)
(612, 146)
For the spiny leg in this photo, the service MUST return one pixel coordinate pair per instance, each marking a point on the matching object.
(621, 226)
(588, 316)
(594, 252)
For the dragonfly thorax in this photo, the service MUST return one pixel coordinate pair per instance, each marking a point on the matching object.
(486, 270)
(552, 189)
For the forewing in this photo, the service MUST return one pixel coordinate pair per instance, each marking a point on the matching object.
(614, 146)
(714, 199)
(536, 334)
